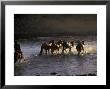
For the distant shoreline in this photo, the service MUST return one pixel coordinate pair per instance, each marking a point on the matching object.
(30, 36)
(56, 38)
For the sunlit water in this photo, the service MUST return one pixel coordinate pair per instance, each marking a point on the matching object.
(68, 64)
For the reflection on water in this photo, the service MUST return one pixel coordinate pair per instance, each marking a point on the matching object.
(61, 64)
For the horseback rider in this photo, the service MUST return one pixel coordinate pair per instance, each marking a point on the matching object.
(17, 47)
(17, 50)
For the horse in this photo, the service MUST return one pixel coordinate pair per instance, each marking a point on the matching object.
(54, 46)
(50, 46)
(67, 45)
(59, 43)
(45, 47)
(18, 55)
(79, 47)
(72, 43)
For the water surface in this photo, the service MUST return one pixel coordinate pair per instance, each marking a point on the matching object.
(57, 65)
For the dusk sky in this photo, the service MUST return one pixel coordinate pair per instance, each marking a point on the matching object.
(80, 24)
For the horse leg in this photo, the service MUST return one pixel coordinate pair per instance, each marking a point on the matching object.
(52, 51)
(66, 50)
(18, 60)
(63, 50)
(19, 57)
(41, 51)
(82, 50)
(22, 55)
(46, 51)
(57, 50)
(78, 53)
(69, 49)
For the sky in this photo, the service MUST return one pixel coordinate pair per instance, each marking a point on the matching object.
(46, 24)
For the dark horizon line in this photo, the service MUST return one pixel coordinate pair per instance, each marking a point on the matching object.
(21, 36)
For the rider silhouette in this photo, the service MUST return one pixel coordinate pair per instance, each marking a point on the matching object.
(17, 46)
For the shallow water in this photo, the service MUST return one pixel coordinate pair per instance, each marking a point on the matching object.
(68, 64)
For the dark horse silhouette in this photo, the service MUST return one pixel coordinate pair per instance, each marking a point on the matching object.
(68, 45)
(45, 47)
(79, 47)
(49, 47)
(59, 43)
(53, 46)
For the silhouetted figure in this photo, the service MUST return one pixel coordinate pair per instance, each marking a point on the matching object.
(79, 47)
(45, 47)
(17, 52)
(17, 46)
